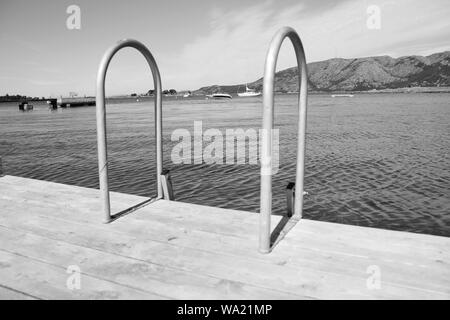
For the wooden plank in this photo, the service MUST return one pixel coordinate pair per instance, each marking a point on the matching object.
(68, 195)
(195, 261)
(155, 279)
(193, 217)
(306, 252)
(236, 223)
(12, 294)
(186, 218)
(215, 264)
(361, 269)
(174, 233)
(46, 281)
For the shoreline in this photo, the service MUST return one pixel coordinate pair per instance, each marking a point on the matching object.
(175, 97)
(396, 90)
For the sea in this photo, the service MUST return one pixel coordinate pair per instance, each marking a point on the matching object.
(377, 160)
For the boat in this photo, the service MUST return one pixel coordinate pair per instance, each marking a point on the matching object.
(219, 96)
(342, 95)
(25, 106)
(249, 92)
(52, 104)
(187, 94)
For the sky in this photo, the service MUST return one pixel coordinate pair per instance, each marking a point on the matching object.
(199, 42)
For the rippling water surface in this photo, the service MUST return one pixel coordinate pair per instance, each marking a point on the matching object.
(379, 160)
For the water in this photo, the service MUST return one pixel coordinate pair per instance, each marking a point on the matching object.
(379, 160)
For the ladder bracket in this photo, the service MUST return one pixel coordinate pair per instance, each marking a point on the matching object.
(166, 182)
(290, 196)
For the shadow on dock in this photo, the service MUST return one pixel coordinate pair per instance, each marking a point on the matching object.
(282, 228)
(131, 209)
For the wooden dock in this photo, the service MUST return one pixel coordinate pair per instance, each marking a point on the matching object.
(175, 250)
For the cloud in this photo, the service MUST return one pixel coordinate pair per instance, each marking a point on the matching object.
(234, 49)
(51, 83)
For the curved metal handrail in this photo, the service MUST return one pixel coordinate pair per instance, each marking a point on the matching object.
(101, 118)
(266, 139)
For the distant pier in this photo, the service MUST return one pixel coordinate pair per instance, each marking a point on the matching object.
(76, 102)
(61, 102)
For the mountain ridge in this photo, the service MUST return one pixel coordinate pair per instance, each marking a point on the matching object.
(358, 74)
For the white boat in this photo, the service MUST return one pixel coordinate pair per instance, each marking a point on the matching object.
(342, 95)
(219, 96)
(187, 94)
(249, 93)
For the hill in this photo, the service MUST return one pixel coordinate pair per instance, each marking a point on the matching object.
(360, 74)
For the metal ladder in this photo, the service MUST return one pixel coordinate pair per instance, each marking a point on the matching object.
(101, 120)
(267, 126)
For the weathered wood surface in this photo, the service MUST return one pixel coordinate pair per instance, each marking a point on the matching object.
(175, 250)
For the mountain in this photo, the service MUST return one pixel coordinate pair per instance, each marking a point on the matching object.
(361, 74)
